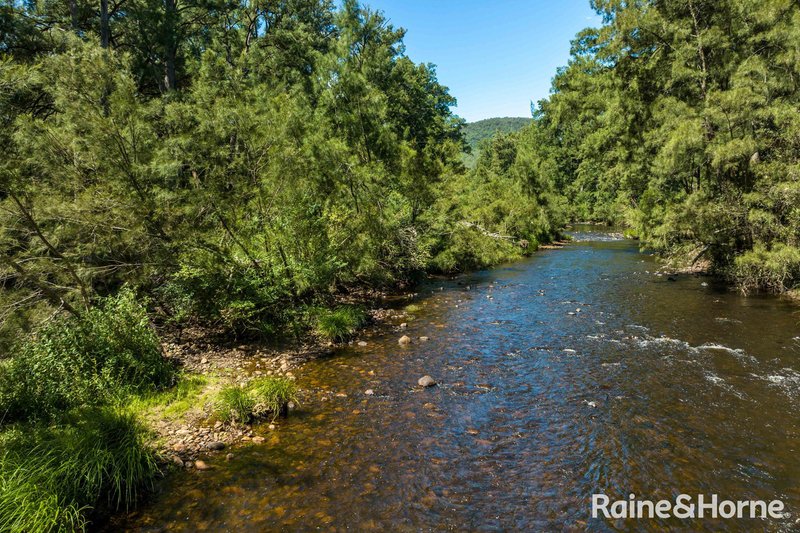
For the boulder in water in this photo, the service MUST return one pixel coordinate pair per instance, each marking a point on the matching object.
(426, 381)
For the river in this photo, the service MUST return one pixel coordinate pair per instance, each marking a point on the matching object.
(574, 372)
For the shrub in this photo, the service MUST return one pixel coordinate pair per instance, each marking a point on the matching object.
(58, 478)
(237, 297)
(107, 353)
(340, 323)
(467, 248)
(774, 270)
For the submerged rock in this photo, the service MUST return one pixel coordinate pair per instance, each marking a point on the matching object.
(426, 381)
(405, 339)
(423, 338)
(216, 445)
(201, 465)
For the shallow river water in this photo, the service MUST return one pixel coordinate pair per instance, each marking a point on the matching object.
(574, 372)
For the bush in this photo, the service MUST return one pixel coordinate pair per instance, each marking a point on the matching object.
(467, 248)
(775, 270)
(57, 479)
(261, 398)
(109, 352)
(234, 296)
(340, 323)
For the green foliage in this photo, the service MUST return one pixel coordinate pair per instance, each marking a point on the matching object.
(262, 397)
(340, 323)
(500, 210)
(272, 395)
(57, 478)
(108, 352)
(237, 297)
(776, 270)
(235, 404)
(235, 163)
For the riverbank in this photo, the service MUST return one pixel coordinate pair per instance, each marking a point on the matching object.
(186, 428)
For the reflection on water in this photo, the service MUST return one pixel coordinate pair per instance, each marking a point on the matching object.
(574, 372)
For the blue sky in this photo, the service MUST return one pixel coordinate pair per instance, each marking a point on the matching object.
(494, 55)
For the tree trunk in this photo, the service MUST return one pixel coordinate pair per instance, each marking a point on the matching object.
(105, 32)
(170, 43)
(73, 14)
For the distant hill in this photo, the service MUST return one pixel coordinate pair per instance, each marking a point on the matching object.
(475, 132)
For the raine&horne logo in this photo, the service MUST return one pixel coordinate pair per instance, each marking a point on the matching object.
(686, 506)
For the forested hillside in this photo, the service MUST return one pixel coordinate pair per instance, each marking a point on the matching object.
(480, 130)
(680, 120)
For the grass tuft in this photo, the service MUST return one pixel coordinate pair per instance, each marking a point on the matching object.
(262, 398)
(340, 323)
(272, 395)
(235, 404)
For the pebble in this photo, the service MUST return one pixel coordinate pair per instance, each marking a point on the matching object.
(369, 392)
(404, 325)
(362, 343)
(216, 445)
(405, 339)
(229, 457)
(201, 465)
(258, 439)
(426, 381)
(424, 339)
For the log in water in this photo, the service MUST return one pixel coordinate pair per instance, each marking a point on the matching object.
(578, 371)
